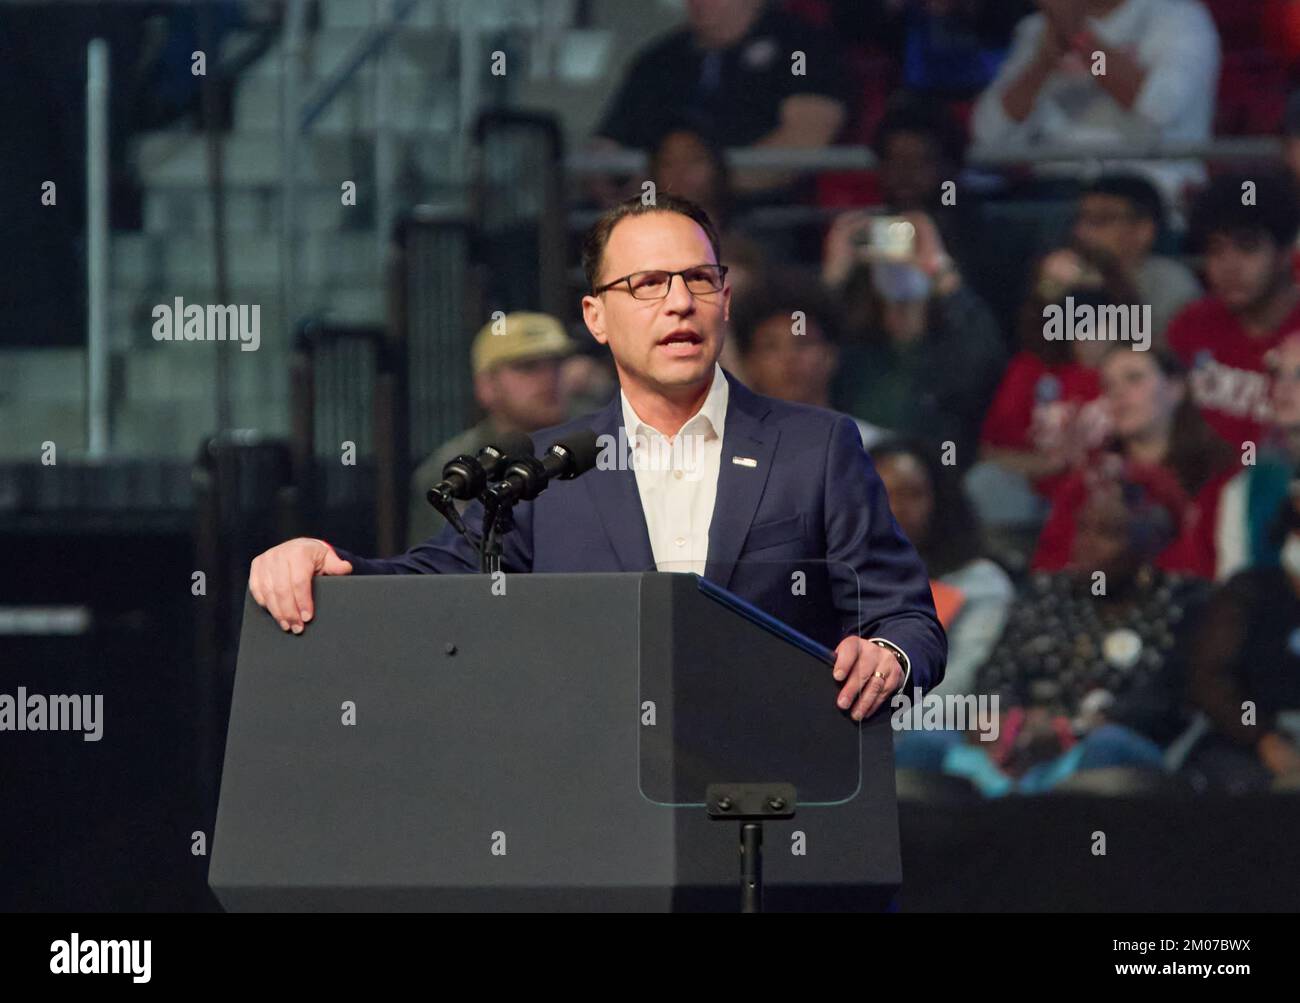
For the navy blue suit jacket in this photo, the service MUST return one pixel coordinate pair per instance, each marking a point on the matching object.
(811, 502)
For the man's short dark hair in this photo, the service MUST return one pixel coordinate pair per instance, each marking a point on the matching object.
(1220, 209)
(780, 295)
(1137, 191)
(593, 245)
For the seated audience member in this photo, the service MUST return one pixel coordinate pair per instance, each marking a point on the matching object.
(732, 66)
(1245, 674)
(516, 383)
(1089, 670)
(1153, 421)
(588, 378)
(1161, 70)
(1122, 215)
(1046, 417)
(1236, 522)
(684, 161)
(786, 345)
(1253, 300)
(687, 163)
(922, 353)
(971, 592)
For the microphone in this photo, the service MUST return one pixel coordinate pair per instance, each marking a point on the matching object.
(466, 476)
(527, 477)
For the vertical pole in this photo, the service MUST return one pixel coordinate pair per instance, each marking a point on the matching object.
(751, 867)
(471, 67)
(213, 146)
(385, 151)
(290, 130)
(97, 237)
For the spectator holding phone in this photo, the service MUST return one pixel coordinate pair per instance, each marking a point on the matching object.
(919, 149)
(922, 352)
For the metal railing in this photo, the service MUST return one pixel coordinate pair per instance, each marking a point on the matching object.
(853, 158)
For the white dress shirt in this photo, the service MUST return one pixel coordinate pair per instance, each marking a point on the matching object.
(677, 478)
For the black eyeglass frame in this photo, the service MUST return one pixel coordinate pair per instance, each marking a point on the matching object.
(668, 288)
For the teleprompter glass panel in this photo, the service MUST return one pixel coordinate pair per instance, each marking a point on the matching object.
(740, 690)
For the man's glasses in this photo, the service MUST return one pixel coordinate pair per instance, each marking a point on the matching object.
(655, 285)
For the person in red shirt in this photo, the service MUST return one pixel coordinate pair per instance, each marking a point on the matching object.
(1045, 417)
(1244, 227)
(1153, 423)
(1234, 527)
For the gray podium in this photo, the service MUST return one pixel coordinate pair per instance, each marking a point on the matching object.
(427, 744)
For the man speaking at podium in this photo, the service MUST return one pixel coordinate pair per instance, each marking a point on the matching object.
(773, 488)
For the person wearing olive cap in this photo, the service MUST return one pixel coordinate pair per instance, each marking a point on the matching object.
(516, 363)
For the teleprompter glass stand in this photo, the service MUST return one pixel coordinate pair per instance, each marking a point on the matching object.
(750, 805)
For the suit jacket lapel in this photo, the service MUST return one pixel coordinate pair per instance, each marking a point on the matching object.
(740, 486)
(617, 500)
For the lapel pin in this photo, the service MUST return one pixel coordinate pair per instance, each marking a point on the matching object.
(744, 461)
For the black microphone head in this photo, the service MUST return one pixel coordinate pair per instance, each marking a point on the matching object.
(461, 478)
(515, 445)
(459, 466)
(496, 455)
(579, 451)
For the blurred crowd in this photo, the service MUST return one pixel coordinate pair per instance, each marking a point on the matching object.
(1079, 378)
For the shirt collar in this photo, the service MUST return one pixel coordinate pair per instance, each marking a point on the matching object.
(712, 413)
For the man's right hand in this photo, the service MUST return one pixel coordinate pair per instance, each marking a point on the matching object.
(280, 579)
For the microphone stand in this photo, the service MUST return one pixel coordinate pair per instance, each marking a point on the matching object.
(498, 520)
(503, 521)
(498, 505)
